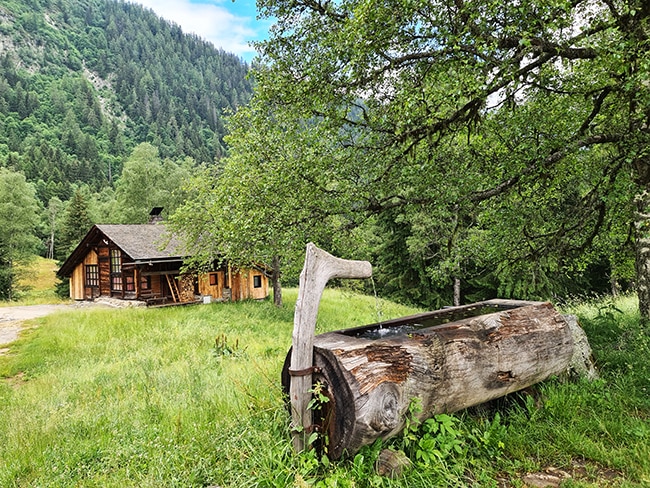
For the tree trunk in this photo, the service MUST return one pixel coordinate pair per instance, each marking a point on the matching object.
(371, 381)
(615, 287)
(456, 291)
(642, 245)
(275, 281)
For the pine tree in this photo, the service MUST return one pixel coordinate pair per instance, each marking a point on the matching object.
(76, 224)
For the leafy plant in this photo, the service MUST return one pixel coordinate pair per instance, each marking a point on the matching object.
(441, 439)
(434, 440)
(488, 441)
(317, 440)
(223, 349)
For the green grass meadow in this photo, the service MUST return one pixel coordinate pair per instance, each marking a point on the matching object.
(36, 283)
(191, 397)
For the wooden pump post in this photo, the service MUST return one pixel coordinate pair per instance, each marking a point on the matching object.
(319, 268)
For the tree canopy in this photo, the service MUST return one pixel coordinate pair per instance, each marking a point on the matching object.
(147, 181)
(268, 200)
(502, 144)
(19, 217)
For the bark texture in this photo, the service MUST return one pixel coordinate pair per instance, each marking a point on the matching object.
(449, 367)
(319, 268)
(275, 281)
(582, 362)
(642, 241)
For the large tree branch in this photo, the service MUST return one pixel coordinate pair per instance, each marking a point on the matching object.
(598, 104)
(375, 206)
(324, 8)
(592, 203)
(469, 111)
(550, 160)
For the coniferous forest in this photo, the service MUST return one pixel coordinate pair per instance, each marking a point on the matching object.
(82, 82)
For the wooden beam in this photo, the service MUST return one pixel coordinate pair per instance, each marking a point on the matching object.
(319, 268)
(173, 288)
(160, 273)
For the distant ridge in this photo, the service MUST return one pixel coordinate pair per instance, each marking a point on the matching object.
(82, 82)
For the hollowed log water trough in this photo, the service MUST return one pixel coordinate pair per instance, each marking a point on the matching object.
(449, 359)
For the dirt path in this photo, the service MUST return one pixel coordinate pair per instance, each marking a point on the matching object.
(12, 318)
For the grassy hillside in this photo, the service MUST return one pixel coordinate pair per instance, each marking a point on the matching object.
(191, 397)
(36, 282)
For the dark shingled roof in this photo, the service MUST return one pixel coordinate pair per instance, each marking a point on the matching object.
(143, 241)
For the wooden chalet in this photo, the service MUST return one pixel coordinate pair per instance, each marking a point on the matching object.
(142, 262)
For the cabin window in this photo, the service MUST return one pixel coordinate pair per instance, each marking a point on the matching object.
(116, 283)
(92, 275)
(145, 282)
(116, 261)
(214, 279)
(257, 281)
(129, 283)
(116, 270)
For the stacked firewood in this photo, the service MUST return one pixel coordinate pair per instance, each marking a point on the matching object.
(186, 288)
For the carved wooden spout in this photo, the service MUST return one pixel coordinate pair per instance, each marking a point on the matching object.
(319, 268)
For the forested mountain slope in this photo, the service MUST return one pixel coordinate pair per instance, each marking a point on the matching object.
(82, 82)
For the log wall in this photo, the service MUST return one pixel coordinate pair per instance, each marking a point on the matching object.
(214, 290)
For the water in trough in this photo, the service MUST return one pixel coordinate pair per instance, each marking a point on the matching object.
(414, 323)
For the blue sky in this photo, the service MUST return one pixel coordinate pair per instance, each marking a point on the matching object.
(228, 24)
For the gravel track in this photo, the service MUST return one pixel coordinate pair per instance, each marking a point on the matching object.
(12, 318)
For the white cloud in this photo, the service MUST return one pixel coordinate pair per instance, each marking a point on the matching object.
(212, 22)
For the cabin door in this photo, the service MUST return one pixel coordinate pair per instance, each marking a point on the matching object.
(128, 282)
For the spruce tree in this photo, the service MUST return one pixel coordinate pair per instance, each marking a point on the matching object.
(76, 224)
